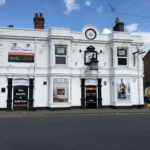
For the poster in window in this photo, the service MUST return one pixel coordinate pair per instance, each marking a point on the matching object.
(60, 90)
(20, 94)
(123, 89)
(21, 52)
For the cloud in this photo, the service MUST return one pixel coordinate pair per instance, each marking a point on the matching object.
(145, 38)
(106, 31)
(132, 27)
(88, 3)
(100, 9)
(71, 5)
(2, 2)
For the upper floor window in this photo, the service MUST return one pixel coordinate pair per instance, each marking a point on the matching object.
(60, 55)
(122, 56)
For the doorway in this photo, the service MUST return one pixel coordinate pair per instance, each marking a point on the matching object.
(91, 96)
(20, 93)
(20, 97)
(91, 93)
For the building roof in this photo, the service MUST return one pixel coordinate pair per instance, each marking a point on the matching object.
(147, 55)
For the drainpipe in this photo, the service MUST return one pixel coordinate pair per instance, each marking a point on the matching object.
(138, 76)
(138, 72)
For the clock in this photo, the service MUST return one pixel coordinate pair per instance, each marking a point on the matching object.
(90, 34)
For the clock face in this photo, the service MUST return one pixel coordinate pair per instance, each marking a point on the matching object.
(90, 34)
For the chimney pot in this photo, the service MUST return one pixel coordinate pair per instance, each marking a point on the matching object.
(11, 26)
(38, 21)
(119, 26)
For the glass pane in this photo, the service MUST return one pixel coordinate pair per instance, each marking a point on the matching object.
(60, 90)
(123, 89)
(60, 51)
(122, 61)
(122, 52)
(60, 60)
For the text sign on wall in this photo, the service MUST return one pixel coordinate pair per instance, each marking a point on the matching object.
(20, 95)
(21, 53)
(91, 82)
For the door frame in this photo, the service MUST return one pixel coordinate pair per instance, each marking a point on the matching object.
(99, 92)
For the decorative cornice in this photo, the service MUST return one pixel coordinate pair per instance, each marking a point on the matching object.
(10, 37)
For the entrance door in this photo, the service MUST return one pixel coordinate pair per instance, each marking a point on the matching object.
(20, 97)
(20, 94)
(91, 93)
(91, 96)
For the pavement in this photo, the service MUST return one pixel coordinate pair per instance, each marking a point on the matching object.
(100, 111)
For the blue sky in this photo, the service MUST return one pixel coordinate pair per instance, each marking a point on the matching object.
(75, 14)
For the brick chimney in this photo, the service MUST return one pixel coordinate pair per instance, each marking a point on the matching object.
(38, 21)
(119, 26)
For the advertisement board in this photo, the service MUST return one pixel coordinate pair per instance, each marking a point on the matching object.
(60, 90)
(20, 94)
(90, 82)
(21, 53)
(123, 89)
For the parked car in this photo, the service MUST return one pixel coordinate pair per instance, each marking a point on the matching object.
(147, 95)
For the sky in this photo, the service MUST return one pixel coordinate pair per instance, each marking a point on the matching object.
(75, 14)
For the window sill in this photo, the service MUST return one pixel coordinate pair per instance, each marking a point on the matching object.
(60, 104)
(58, 66)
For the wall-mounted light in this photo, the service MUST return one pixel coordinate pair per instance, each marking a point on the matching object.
(80, 50)
(28, 45)
(101, 51)
(44, 83)
(94, 65)
(14, 44)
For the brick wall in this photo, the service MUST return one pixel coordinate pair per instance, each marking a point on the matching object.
(147, 69)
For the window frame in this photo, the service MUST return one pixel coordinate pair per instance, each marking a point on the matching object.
(61, 55)
(122, 56)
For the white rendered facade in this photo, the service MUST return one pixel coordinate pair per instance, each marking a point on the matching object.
(57, 81)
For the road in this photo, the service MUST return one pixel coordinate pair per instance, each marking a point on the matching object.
(76, 132)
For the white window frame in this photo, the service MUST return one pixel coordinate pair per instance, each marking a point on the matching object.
(60, 80)
(61, 55)
(128, 89)
(123, 56)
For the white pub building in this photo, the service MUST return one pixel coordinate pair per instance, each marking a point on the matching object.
(61, 68)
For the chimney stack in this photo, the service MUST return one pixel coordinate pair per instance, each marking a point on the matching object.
(119, 26)
(38, 21)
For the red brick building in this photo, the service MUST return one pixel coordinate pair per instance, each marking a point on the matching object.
(147, 69)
